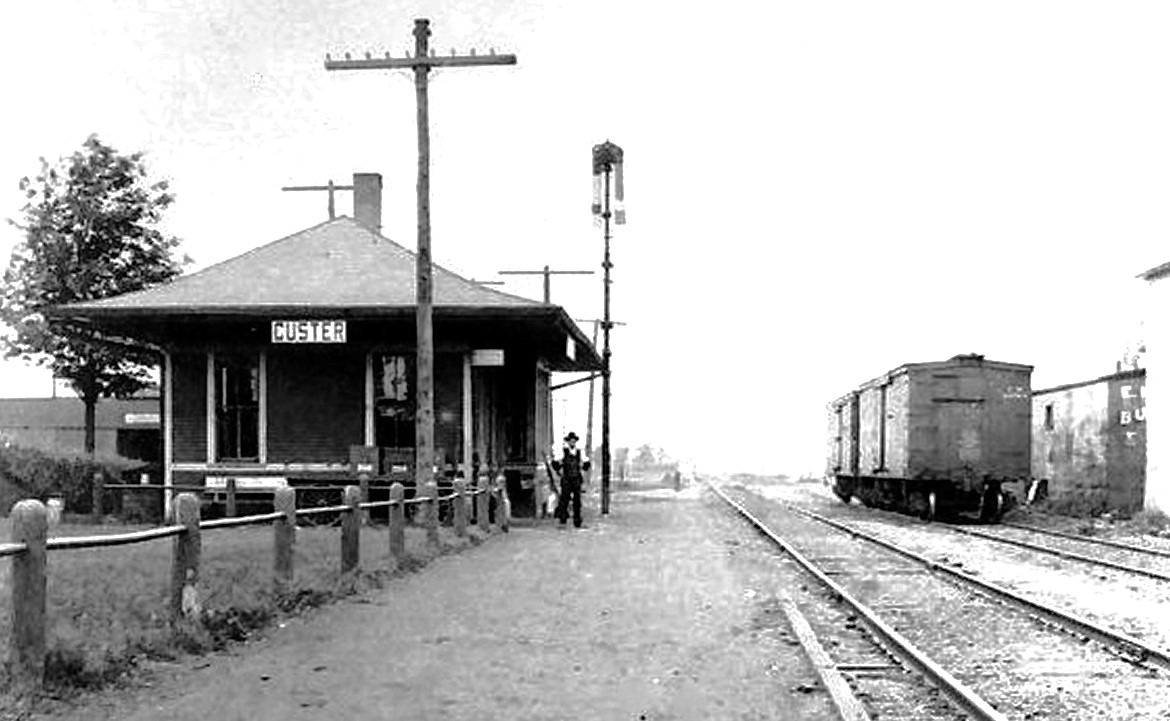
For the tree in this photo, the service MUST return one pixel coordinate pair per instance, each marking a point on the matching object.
(646, 455)
(90, 232)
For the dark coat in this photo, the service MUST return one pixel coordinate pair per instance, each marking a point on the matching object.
(571, 465)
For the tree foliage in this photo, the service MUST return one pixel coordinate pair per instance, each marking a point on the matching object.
(646, 455)
(91, 231)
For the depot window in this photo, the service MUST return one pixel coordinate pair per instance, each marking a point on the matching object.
(237, 408)
(1049, 420)
(394, 401)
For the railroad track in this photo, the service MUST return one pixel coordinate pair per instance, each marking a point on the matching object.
(1024, 673)
(1128, 558)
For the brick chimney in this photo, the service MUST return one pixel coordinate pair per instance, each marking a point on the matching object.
(367, 200)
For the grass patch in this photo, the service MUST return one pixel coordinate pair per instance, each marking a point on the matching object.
(108, 608)
(1074, 506)
(1153, 522)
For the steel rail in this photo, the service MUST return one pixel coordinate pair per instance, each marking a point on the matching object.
(1063, 554)
(1090, 539)
(1136, 647)
(954, 689)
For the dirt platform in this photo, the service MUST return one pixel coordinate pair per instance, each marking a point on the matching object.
(643, 614)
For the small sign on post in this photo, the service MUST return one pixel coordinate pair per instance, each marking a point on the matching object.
(363, 459)
(492, 357)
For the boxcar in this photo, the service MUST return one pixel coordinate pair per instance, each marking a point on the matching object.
(949, 437)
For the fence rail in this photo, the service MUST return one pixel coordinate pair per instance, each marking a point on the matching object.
(30, 545)
(231, 493)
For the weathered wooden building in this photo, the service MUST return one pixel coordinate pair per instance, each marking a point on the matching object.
(1157, 389)
(125, 427)
(276, 364)
(1089, 441)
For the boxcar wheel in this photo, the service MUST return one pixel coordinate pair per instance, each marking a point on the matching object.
(928, 513)
(992, 506)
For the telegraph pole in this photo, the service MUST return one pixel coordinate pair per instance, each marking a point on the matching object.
(589, 424)
(330, 188)
(607, 164)
(421, 63)
(547, 278)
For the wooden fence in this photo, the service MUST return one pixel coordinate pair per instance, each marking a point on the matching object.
(30, 545)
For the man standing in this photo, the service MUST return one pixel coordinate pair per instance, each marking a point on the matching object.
(571, 465)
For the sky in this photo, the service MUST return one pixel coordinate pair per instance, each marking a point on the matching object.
(816, 192)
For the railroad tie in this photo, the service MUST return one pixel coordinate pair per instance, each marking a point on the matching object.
(847, 704)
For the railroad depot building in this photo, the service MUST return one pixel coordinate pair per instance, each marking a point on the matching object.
(293, 361)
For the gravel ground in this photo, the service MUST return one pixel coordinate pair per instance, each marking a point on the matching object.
(1026, 669)
(887, 690)
(660, 610)
(1136, 605)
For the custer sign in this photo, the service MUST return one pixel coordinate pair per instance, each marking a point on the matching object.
(308, 331)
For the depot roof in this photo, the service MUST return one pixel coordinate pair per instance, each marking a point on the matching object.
(337, 264)
(338, 268)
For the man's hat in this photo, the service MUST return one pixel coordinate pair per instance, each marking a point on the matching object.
(571, 437)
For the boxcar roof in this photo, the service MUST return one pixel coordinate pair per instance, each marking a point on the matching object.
(968, 360)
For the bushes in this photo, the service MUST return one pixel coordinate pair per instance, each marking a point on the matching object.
(39, 474)
(1084, 505)
(1153, 522)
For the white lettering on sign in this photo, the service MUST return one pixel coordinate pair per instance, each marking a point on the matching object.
(249, 483)
(308, 331)
(132, 419)
(1126, 417)
(487, 357)
(1016, 393)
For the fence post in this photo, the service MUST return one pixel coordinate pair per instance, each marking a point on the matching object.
(431, 491)
(285, 501)
(459, 517)
(98, 496)
(483, 499)
(30, 526)
(364, 487)
(397, 524)
(231, 497)
(185, 561)
(351, 529)
(503, 505)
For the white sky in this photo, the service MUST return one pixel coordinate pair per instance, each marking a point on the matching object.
(817, 192)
